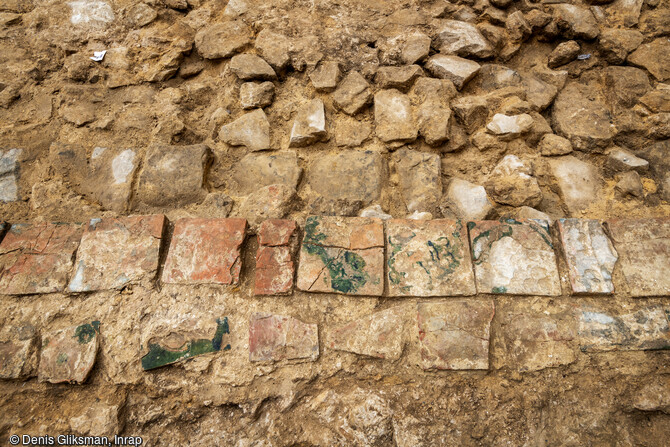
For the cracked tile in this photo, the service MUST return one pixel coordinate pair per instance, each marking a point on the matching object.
(376, 335)
(68, 355)
(278, 337)
(205, 251)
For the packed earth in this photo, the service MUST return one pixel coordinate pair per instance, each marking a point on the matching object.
(304, 223)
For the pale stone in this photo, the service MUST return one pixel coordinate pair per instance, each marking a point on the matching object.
(551, 144)
(326, 76)
(377, 335)
(375, 211)
(310, 125)
(454, 68)
(589, 255)
(455, 334)
(274, 48)
(463, 39)
(430, 98)
(466, 200)
(98, 420)
(91, 13)
(254, 95)
(576, 21)
(222, 39)
(9, 171)
(428, 258)
(510, 126)
(353, 94)
(249, 67)
(394, 120)
(514, 257)
(255, 171)
(251, 130)
(579, 183)
(511, 182)
(400, 78)
(581, 115)
(620, 160)
(420, 179)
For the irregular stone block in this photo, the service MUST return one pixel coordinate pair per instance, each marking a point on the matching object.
(254, 95)
(116, 252)
(326, 76)
(205, 251)
(620, 160)
(575, 21)
(455, 334)
(580, 114)
(250, 67)
(309, 125)
(420, 179)
(273, 47)
(18, 352)
(514, 257)
(644, 253)
(277, 337)
(463, 39)
(394, 120)
(431, 100)
(579, 182)
(189, 340)
(269, 202)
(511, 183)
(274, 259)
(345, 182)
(353, 94)
(342, 255)
(68, 355)
(654, 57)
(251, 130)
(529, 341)
(9, 175)
(37, 258)
(589, 255)
(173, 175)
(376, 335)
(255, 171)
(466, 200)
(428, 258)
(400, 78)
(509, 127)
(642, 330)
(454, 68)
(222, 39)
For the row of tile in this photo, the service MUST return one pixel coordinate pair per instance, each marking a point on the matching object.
(451, 335)
(342, 255)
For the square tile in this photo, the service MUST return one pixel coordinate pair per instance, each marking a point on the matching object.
(428, 258)
(37, 258)
(342, 255)
(68, 355)
(514, 257)
(205, 251)
(116, 252)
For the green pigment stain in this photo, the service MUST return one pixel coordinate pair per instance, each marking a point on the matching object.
(62, 358)
(500, 289)
(490, 236)
(347, 273)
(394, 275)
(160, 356)
(85, 333)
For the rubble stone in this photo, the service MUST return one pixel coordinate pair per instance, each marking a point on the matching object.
(342, 255)
(509, 127)
(564, 53)
(575, 21)
(551, 144)
(511, 182)
(18, 352)
(454, 68)
(394, 120)
(431, 100)
(222, 39)
(420, 179)
(630, 183)
(117, 252)
(514, 257)
(251, 130)
(250, 67)
(256, 171)
(462, 39)
(615, 44)
(309, 125)
(353, 94)
(466, 201)
(173, 175)
(455, 334)
(9, 175)
(400, 78)
(428, 258)
(274, 48)
(278, 337)
(256, 95)
(654, 57)
(268, 202)
(578, 182)
(589, 255)
(326, 76)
